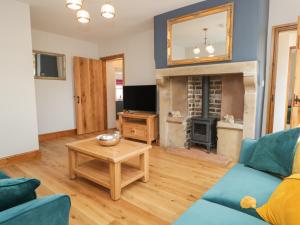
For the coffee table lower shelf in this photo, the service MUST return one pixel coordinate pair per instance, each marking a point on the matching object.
(99, 172)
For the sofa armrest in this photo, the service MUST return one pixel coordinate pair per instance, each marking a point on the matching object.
(247, 148)
(51, 210)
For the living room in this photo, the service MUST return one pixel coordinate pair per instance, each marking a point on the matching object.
(140, 112)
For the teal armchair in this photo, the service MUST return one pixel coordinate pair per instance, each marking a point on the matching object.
(50, 210)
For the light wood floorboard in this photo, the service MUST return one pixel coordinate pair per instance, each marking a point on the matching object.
(175, 183)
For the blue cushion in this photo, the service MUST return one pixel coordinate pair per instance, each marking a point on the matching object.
(51, 210)
(208, 213)
(275, 153)
(17, 191)
(3, 175)
(247, 149)
(239, 182)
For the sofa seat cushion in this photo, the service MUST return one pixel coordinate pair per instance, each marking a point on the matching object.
(208, 213)
(17, 191)
(239, 182)
(3, 175)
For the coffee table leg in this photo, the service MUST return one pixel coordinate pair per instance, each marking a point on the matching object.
(115, 180)
(72, 164)
(144, 165)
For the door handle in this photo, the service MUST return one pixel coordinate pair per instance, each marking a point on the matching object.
(296, 100)
(77, 99)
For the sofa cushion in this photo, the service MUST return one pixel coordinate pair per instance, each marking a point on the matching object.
(296, 164)
(247, 149)
(275, 152)
(17, 191)
(208, 213)
(283, 207)
(3, 175)
(239, 182)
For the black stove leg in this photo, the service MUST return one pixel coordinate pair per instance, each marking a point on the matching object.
(208, 148)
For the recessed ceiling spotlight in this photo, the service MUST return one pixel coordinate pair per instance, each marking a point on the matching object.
(83, 16)
(74, 4)
(108, 11)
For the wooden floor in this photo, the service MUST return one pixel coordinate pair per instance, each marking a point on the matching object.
(175, 183)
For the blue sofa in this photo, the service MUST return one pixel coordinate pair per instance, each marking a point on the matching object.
(51, 210)
(221, 204)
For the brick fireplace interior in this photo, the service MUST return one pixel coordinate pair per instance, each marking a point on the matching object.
(226, 96)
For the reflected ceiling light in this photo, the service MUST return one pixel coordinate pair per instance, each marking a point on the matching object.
(210, 49)
(196, 51)
(108, 11)
(74, 4)
(83, 16)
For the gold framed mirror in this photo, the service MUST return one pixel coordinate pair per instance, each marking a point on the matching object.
(49, 66)
(201, 37)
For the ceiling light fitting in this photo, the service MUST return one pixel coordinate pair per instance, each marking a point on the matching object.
(108, 11)
(83, 16)
(74, 4)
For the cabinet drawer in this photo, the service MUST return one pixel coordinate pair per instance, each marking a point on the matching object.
(138, 132)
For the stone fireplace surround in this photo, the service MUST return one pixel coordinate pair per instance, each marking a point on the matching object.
(168, 90)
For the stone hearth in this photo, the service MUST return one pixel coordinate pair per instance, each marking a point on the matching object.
(178, 84)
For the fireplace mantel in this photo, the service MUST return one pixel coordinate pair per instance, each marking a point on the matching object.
(248, 69)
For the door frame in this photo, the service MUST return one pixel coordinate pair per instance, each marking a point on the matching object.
(113, 57)
(273, 71)
(104, 60)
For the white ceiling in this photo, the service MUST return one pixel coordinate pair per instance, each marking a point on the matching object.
(132, 16)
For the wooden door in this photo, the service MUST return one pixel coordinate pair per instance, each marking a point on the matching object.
(295, 115)
(90, 95)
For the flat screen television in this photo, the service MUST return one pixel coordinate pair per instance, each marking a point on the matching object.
(140, 98)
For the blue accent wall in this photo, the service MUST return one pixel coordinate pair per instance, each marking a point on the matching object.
(249, 37)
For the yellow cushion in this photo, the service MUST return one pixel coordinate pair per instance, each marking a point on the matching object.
(296, 166)
(284, 205)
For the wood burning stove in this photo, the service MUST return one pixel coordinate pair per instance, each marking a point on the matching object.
(204, 128)
(204, 132)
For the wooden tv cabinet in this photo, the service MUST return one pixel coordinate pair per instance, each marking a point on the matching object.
(139, 126)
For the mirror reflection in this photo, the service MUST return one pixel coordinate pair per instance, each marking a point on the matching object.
(201, 37)
(48, 65)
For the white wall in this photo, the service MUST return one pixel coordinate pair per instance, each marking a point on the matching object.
(55, 105)
(18, 121)
(139, 56)
(280, 12)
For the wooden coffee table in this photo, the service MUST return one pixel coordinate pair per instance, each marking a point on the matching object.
(107, 167)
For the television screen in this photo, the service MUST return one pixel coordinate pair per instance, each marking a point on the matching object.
(140, 98)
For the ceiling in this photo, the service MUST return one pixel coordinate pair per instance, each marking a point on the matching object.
(131, 16)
